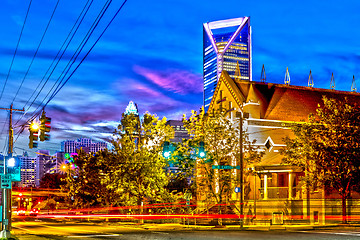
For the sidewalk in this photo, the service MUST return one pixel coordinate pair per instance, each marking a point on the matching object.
(300, 227)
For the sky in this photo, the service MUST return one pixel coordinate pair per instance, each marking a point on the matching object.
(151, 53)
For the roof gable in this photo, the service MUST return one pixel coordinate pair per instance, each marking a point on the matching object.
(233, 94)
(277, 101)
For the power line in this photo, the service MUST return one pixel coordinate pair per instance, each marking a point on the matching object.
(13, 58)
(73, 59)
(17, 46)
(79, 50)
(75, 56)
(37, 113)
(63, 52)
(38, 47)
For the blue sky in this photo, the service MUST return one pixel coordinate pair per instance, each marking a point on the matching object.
(152, 54)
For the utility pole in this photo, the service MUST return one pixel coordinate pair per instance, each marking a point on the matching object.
(6, 193)
(241, 116)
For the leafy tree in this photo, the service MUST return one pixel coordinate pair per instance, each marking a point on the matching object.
(221, 139)
(85, 182)
(140, 175)
(52, 180)
(183, 158)
(327, 148)
(130, 174)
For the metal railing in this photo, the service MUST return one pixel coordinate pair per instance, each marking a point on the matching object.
(280, 193)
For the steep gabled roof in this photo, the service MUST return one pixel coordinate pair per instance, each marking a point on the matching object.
(280, 101)
(294, 103)
(226, 81)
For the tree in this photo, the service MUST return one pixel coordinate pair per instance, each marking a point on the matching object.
(221, 138)
(86, 183)
(184, 159)
(133, 172)
(52, 180)
(140, 174)
(327, 148)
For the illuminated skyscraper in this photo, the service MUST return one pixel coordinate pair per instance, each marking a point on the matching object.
(226, 46)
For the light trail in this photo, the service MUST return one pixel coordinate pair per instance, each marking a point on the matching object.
(142, 216)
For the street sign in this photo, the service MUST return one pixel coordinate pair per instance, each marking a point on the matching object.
(6, 181)
(237, 189)
(225, 167)
(15, 174)
(188, 195)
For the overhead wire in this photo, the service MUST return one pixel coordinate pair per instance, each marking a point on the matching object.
(13, 58)
(63, 50)
(17, 46)
(36, 112)
(91, 30)
(81, 46)
(60, 86)
(117, 12)
(37, 49)
(72, 60)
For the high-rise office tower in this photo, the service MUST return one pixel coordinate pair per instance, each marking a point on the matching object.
(226, 46)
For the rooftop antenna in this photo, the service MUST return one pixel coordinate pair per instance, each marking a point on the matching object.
(310, 80)
(353, 84)
(332, 82)
(237, 71)
(263, 74)
(287, 77)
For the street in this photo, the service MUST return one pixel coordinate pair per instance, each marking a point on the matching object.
(35, 229)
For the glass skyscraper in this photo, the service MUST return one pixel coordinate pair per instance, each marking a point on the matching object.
(226, 43)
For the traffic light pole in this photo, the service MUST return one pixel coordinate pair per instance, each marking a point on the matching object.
(6, 193)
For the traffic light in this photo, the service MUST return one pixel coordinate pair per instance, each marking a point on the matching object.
(44, 127)
(202, 152)
(33, 129)
(166, 149)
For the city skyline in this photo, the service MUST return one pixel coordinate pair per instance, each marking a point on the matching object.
(152, 54)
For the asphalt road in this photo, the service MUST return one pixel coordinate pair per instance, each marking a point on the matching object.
(39, 230)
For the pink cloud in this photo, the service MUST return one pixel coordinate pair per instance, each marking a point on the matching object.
(178, 81)
(143, 90)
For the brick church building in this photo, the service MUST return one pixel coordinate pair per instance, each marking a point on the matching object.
(276, 190)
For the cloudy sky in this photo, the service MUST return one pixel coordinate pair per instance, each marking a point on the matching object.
(151, 53)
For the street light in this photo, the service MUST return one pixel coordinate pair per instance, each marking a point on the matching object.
(11, 162)
(241, 116)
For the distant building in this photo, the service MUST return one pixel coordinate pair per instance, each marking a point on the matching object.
(132, 108)
(28, 171)
(86, 144)
(180, 131)
(180, 134)
(226, 46)
(52, 166)
(42, 159)
(33, 169)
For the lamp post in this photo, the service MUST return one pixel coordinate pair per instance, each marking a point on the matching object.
(241, 117)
